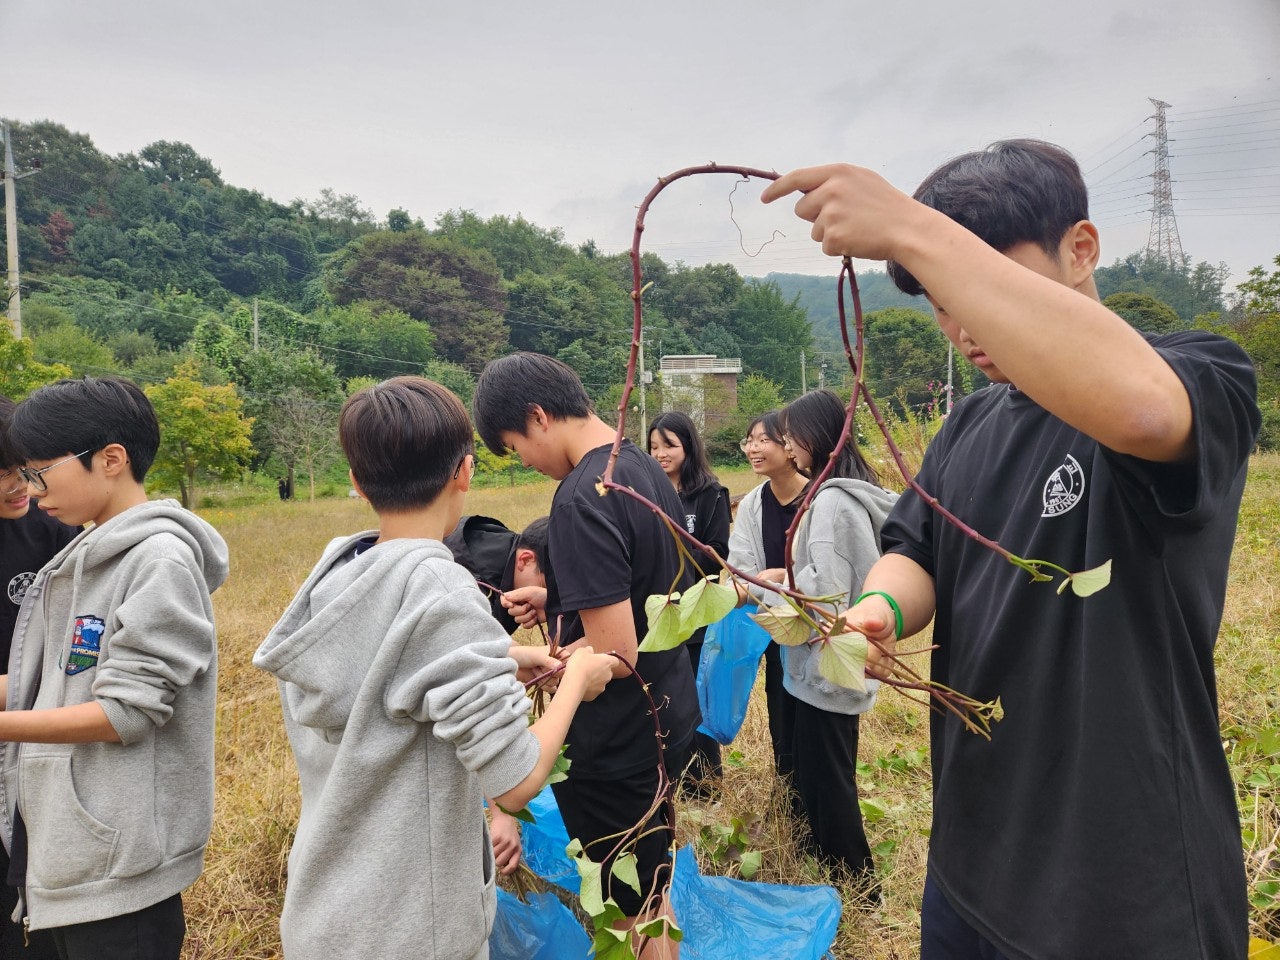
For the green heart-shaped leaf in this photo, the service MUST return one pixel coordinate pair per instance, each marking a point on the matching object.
(784, 624)
(705, 603)
(664, 624)
(843, 660)
(1088, 582)
(624, 869)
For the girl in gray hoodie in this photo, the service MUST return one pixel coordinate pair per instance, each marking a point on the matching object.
(836, 543)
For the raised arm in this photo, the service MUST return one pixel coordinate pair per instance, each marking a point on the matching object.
(1051, 338)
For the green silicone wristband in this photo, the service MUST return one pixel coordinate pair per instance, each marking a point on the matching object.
(897, 610)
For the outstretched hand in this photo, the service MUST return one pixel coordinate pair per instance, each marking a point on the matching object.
(855, 212)
(594, 669)
(504, 833)
(527, 605)
(874, 619)
(532, 661)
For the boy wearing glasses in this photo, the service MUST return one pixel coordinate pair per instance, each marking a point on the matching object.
(109, 707)
(29, 538)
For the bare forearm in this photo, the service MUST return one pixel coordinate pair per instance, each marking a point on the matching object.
(82, 723)
(1111, 384)
(910, 586)
(612, 629)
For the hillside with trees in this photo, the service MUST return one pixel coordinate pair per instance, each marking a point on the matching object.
(150, 265)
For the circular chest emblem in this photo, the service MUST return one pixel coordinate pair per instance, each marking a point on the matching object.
(18, 586)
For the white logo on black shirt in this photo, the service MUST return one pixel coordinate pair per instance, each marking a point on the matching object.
(689, 520)
(1064, 488)
(18, 586)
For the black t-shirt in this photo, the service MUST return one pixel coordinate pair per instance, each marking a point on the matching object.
(706, 517)
(1100, 821)
(605, 550)
(26, 545)
(775, 518)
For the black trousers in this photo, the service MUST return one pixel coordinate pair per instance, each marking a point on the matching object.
(824, 748)
(39, 945)
(153, 933)
(782, 710)
(944, 935)
(595, 812)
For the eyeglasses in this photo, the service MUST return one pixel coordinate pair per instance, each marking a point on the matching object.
(11, 482)
(35, 478)
(746, 443)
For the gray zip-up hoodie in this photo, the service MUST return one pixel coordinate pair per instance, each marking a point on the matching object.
(121, 616)
(836, 544)
(403, 711)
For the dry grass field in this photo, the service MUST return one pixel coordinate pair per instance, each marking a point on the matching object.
(232, 911)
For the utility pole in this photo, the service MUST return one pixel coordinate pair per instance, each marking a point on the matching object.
(950, 356)
(804, 382)
(644, 413)
(1163, 242)
(255, 324)
(11, 230)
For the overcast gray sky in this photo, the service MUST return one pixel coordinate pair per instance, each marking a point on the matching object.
(566, 112)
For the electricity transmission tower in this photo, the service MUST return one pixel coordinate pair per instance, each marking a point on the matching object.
(1163, 242)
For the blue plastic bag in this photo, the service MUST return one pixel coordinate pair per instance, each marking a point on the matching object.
(543, 843)
(731, 654)
(717, 914)
(542, 929)
(720, 915)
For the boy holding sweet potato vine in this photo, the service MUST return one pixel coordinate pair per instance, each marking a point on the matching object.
(1100, 820)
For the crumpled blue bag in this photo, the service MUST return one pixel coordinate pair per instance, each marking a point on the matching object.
(717, 914)
(731, 654)
(543, 841)
(720, 915)
(542, 929)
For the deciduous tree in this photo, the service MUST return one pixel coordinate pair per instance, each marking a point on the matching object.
(203, 432)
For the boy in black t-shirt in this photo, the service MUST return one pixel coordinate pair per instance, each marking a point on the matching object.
(609, 555)
(1100, 821)
(28, 540)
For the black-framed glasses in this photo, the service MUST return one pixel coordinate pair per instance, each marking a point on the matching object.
(35, 477)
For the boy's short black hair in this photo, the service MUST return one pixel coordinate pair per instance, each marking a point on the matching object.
(404, 438)
(511, 386)
(8, 456)
(85, 415)
(536, 537)
(1014, 191)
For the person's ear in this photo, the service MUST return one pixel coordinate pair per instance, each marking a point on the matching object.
(115, 459)
(537, 417)
(355, 486)
(524, 558)
(467, 471)
(1080, 251)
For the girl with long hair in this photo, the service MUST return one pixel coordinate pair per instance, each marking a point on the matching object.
(674, 442)
(835, 545)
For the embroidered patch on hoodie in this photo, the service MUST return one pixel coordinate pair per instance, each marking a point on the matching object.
(85, 644)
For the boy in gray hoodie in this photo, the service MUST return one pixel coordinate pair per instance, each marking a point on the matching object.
(109, 705)
(404, 704)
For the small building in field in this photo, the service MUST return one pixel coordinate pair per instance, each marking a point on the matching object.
(702, 385)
